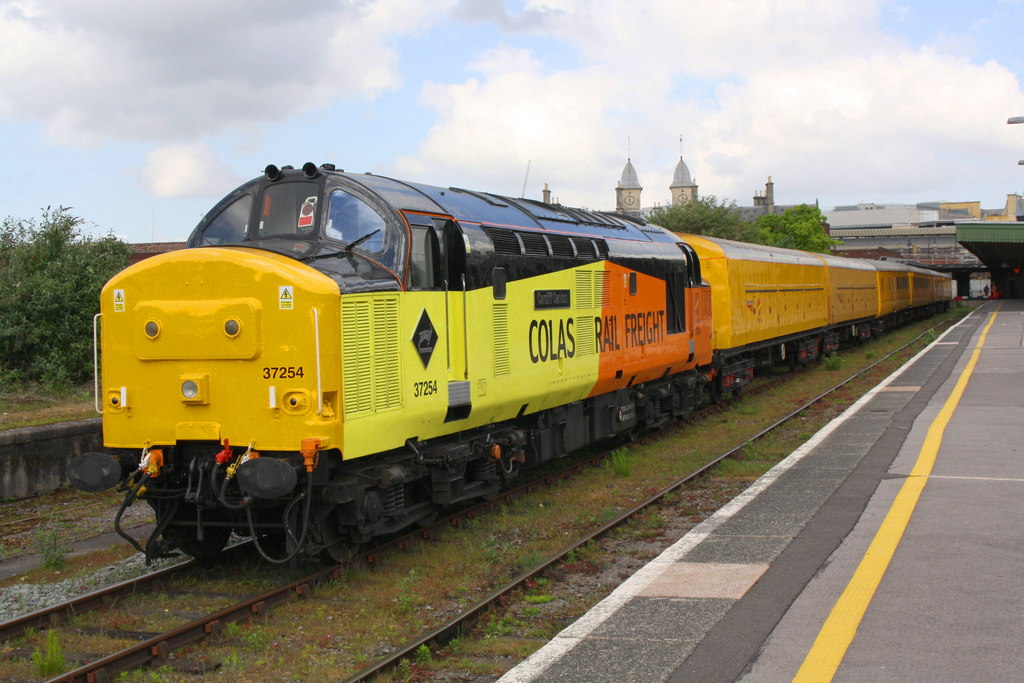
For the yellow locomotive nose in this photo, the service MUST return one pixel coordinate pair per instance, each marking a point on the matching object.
(185, 356)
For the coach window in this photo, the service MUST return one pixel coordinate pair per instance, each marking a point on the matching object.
(350, 219)
(230, 225)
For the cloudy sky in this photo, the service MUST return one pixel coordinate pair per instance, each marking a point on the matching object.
(141, 115)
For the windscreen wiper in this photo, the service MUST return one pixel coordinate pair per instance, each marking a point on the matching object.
(346, 250)
(353, 243)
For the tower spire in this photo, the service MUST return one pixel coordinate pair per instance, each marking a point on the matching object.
(683, 187)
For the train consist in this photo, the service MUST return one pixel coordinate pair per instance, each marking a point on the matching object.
(339, 356)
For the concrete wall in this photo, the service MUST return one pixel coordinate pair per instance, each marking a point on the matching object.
(34, 460)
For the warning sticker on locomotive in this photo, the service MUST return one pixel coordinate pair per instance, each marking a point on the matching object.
(286, 298)
(118, 300)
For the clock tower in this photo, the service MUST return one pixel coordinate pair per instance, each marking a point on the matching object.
(627, 192)
(683, 187)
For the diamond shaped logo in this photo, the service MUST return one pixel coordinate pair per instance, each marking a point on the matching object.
(425, 338)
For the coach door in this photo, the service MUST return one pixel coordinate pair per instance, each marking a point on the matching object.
(453, 247)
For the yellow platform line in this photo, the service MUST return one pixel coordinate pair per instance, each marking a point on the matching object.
(840, 627)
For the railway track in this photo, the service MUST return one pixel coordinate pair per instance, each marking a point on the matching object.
(156, 647)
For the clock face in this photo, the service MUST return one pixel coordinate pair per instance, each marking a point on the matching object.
(629, 200)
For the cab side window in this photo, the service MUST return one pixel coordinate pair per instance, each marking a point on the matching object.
(230, 225)
(423, 264)
(675, 301)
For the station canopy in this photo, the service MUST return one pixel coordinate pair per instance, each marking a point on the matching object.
(1000, 246)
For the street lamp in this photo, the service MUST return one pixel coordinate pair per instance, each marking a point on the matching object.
(1017, 119)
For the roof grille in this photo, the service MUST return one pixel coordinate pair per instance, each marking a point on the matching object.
(534, 244)
(525, 243)
(561, 246)
(505, 241)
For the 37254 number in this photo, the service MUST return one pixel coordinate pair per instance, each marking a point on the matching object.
(428, 388)
(283, 372)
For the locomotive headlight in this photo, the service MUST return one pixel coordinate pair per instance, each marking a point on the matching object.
(232, 327)
(189, 389)
(152, 329)
(195, 389)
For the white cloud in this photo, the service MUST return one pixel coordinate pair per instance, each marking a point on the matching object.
(99, 69)
(817, 95)
(814, 94)
(186, 170)
(515, 114)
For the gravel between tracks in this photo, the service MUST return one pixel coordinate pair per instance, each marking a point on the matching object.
(24, 598)
(72, 532)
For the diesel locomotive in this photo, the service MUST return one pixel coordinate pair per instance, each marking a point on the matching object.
(338, 356)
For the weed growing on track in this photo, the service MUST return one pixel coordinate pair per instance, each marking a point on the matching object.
(406, 597)
(49, 546)
(618, 462)
(833, 362)
(424, 655)
(50, 660)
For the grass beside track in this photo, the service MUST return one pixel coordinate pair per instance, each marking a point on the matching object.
(31, 406)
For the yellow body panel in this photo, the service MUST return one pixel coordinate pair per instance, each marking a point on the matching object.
(852, 287)
(893, 289)
(935, 286)
(923, 287)
(760, 293)
(248, 392)
(503, 356)
(495, 359)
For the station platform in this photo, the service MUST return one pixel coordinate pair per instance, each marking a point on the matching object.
(890, 547)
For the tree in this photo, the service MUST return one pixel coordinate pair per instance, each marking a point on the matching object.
(799, 227)
(50, 280)
(705, 216)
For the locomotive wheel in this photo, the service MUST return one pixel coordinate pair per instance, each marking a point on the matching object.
(338, 547)
(183, 537)
(717, 392)
(207, 551)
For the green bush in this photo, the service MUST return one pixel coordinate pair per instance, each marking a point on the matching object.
(51, 275)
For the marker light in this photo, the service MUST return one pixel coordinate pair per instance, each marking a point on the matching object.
(189, 389)
(152, 329)
(232, 327)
